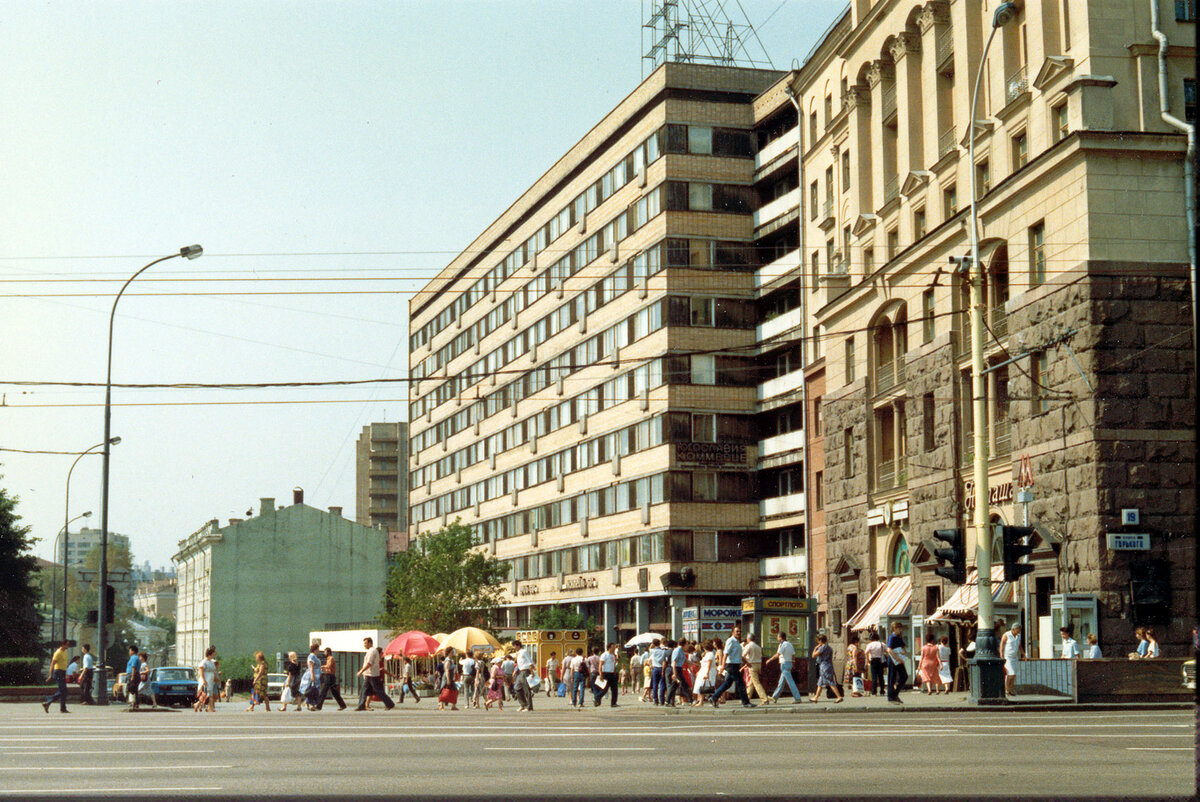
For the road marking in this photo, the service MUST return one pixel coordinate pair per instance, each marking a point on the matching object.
(47, 751)
(108, 768)
(121, 790)
(1160, 748)
(569, 749)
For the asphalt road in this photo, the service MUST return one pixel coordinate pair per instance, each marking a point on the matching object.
(816, 751)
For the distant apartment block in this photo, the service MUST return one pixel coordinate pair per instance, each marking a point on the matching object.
(83, 541)
(155, 599)
(381, 481)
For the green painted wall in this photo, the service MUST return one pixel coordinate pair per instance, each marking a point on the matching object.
(287, 572)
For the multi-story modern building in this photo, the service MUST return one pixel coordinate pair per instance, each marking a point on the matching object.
(719, 349)
(381, 480)
(266, 582)
(80, 543)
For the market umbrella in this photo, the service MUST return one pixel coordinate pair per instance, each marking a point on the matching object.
(440, 637)
(645, 639)
(468, 638)
(412, 644)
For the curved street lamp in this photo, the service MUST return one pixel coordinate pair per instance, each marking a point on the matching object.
(187, 252)
(54, 572)
(990, 684)
(66, 533)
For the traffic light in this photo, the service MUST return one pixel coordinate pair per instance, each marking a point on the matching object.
(1016, 546)
(110, 602)
(954, 554)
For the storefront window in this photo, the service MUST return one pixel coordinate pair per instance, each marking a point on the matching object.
(900, 564)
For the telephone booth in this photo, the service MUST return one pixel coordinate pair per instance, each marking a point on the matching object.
(538, 643)
(1079, 609)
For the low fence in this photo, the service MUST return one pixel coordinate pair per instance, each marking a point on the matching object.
(1119, 679)
(1055, 677)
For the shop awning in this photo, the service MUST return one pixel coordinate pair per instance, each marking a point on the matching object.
(964, 604)
(893, 597)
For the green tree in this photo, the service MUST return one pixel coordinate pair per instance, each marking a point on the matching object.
(83, 597)
(20, 624)
(559, 617)
(441, 583)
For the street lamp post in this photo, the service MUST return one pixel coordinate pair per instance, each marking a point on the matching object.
(66, 533)
(989, 686)
(188, 252)
(54, 573)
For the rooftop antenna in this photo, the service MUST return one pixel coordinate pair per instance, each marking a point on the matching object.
(699, 32)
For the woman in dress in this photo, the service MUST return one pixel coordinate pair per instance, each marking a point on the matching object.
(928, 670)
(706, 675)
(823, 654)
(495, 693)
(449, 693)
(852, 663)
(258, 694)
(291, 688)
(943, 650)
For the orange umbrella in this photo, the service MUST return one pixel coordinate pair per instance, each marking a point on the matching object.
(412, 644)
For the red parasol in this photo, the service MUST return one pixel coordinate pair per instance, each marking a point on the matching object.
(412, 644)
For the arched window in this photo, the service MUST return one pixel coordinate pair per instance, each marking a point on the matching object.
(899, 563)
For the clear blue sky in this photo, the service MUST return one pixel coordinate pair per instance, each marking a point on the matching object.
(313, 147)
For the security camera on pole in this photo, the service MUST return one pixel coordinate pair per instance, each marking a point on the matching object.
(987, 681)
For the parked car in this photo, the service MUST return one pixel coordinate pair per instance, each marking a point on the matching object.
(1189, 675)
(275, 683)
(168, 685)
(117, 693)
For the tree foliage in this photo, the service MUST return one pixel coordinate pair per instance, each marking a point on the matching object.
(441, 583)
(20, 624)
(559, 617)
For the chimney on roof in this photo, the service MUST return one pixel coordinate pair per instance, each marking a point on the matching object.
(233, 521)
(268, 506)
(335, 511)
(297, 495)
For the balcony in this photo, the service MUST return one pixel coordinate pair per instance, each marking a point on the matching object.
(1016, 85)
(826, 218)
(788, 263)
(889, 101)
(777, 325)
(783, 566)
(781, 505)
(780, 385)
(776, 147)
(888, 476)
(947, 141)
(999, 321)
(891, 188)
(944, 50)
(1002, 432)
(780, 443)
(777, 208)
(888, 375)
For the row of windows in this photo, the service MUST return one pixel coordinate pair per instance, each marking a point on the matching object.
(676, 545)
(673, 427)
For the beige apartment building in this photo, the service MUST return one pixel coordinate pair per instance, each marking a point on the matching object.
(718, 349)
(381, 481)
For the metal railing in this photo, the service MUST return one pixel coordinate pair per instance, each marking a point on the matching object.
(1002, 432)
(1016, 85)
(827, 209)
(885, 475)
(888, 103)
(1052, 677)
(888, 375)
(944, 47)
(891, 188)
(999, 321)
(947, 141)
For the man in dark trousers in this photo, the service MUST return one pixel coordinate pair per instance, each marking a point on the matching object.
(733, 670)
(370, 672)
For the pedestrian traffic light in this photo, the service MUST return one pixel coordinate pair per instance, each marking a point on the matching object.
(954, 554)
(1016, 546)
(110, 601)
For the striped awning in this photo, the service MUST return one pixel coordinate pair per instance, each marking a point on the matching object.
(964, 604)
(893, 597)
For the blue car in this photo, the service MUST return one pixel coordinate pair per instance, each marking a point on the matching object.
(170, 685)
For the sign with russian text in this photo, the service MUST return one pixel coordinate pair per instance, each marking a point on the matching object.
(1127, 542)
(711, 454)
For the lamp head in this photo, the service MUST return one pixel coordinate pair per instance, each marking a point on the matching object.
(112, 442)
(194, 251)
(87, 514)
(1005, 13)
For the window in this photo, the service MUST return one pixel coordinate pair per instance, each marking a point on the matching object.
(818, 420)
(1185, 11)
(704, 370)
(928, 412)
(704, 546)
(845, 170)
(829, 190)
(848, 451)
(1189, 98)
(919, 223)
(814, 192)
(983, 177)
(899, 563)
(1059, 124)
(700, 197)
(818, 346)
(928, 316)
(702, 311)
(868, 260)
(704, 428)
(828, 109)
(1020, 150)
(815, 270)
(704, 486)
(849, 359)
(1039, 370)
(699, 139)
(893, 243)
(950, 201)
(818, 491)
(1037, 254)
(812, 128)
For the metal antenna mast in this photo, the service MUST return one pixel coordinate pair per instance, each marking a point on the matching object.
(699, 31)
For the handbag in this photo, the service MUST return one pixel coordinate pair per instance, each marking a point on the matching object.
(449, 695)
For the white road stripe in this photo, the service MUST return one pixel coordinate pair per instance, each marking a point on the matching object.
(56, 753)
(569, 749)
(90, 791)
(109, 768)
(1160, 749)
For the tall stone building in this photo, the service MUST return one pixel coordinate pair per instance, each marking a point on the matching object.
(381, 481)
(719, 349)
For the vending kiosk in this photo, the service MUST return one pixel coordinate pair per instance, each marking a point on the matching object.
(538, 643)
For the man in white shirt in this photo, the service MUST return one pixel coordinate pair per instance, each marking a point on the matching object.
(658, 686)
(635, 670)
(1070, 649)
(552, 674)
(678, 680)
(785, 655)
(733, 670)
(85, 678)
(521, 683)
(608, 675)
(370, 672)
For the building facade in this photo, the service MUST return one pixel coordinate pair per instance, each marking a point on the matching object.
(381, 481)
(719, 348)
(266, 582)
(80, 543)
(155, 599)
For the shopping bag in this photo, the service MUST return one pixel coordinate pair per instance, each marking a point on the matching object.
(533, 681)
(562, 689)
(858, 685)
(286, 696)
